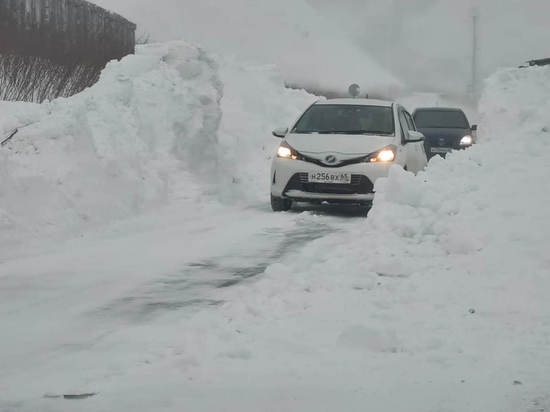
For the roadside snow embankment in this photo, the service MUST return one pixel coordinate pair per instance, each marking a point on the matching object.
(438, 301)
(112, 150)
(166, 123)
(254, 103)
(489, 198)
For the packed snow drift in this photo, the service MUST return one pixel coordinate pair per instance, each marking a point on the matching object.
(167, 122)
(438, 301)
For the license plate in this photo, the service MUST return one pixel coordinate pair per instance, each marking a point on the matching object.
(324, 177)
(441, 149)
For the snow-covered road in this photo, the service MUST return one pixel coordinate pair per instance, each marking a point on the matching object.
(251, 310)
(70, 311)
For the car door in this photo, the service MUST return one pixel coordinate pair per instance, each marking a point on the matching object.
(423, 149)
(412, 149)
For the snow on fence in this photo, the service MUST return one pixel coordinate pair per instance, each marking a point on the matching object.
(51, 48)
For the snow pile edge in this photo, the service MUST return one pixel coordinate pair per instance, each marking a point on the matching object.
(440, 295)
(171, 122)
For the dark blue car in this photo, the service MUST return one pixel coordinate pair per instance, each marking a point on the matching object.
(446, 129)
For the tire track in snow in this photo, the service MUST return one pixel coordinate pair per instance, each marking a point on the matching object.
(193, 286)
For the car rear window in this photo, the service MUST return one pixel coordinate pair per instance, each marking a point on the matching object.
(346, 119)
(454, 119)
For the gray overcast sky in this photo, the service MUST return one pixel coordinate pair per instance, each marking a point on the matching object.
(425, 43)
(428, 43)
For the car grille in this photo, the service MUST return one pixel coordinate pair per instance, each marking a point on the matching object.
(355, 160)
(359, 185)
(443, 142)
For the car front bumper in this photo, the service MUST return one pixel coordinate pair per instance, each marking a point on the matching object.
(441, 150)
(289, 180)
(302, 196)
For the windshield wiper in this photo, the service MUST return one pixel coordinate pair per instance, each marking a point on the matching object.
(365, 132)
(336, 132)
(369, 132)
(316, 131)
(378, 132)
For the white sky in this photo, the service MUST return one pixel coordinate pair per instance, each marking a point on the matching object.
(425, 43)
(429, 42)
(291, 34)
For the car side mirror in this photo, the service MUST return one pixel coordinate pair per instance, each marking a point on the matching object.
(280, 132)
(474, 128)
(415, 136)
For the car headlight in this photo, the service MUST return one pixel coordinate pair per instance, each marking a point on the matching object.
(467, 141)
(384, 155)
(285, 151)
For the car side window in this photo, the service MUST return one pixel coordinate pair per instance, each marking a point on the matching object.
(410, 121)
(404, 125)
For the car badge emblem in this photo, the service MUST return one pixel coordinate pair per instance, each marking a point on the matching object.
(441, 141)
(330, 159)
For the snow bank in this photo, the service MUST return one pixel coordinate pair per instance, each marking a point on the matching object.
(461, 204)
(254, 103)
(164, 123)
(440, 296)
(112, 150)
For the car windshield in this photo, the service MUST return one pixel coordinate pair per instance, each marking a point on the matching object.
(346, 119)
(453, 119)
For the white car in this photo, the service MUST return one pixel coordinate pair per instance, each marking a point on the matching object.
(339, 147)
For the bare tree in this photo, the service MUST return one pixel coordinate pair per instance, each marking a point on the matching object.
(57, 48)
(35, 79)
(143, 38)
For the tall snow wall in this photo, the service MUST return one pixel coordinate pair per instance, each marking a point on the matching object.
(169, 122)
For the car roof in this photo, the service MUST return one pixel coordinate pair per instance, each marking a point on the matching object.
(355, 102)
(439, 109)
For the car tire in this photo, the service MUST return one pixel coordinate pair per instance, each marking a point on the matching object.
(279, 204)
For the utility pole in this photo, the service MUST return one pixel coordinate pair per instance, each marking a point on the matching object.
(475, 46)
(393, 35)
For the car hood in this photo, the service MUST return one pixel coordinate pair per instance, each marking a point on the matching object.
(447, 137)
(343, 146)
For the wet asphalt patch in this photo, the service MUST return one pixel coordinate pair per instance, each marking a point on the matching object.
(190, 287)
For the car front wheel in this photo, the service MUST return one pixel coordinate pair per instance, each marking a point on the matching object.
(278, 204)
